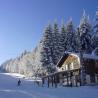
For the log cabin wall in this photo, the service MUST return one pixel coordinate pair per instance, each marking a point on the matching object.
(91, 68)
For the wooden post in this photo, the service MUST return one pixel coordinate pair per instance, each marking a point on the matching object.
(52, 81)
(43, 81)
(80, 77)
(48, 82)
(71, 79)
(67, 79)
(55, 80)
(76, 79)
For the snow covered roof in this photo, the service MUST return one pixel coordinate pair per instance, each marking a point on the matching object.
(72, 53)
(62, 59)
(95, 52)
(85, 56)
(89, 56)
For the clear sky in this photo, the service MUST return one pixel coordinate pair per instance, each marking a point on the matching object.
(22, 21)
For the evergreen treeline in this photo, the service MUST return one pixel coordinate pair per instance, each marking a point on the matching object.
(54, 42)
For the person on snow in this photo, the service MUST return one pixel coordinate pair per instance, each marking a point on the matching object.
(19, 82)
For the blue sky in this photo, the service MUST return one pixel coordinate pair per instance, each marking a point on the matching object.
(22, 21)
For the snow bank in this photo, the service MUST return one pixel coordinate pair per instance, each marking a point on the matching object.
(15, 75)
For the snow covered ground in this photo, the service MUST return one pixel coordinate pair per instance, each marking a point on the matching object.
(28, 89)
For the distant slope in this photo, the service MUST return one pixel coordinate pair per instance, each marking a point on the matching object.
(27, 63)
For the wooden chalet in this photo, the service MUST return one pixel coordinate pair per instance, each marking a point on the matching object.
(71, 61)
(71, 66)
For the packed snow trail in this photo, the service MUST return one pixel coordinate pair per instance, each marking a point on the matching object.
(9, 88)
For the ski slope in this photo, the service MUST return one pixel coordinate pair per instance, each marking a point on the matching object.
(28, 89)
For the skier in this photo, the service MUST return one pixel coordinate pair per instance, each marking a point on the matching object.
(19, 82)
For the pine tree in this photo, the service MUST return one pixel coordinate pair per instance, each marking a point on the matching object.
(47, 49)
(85, 30)
(95, 34)
(70, 36)
(56, 43)
(63, 39)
